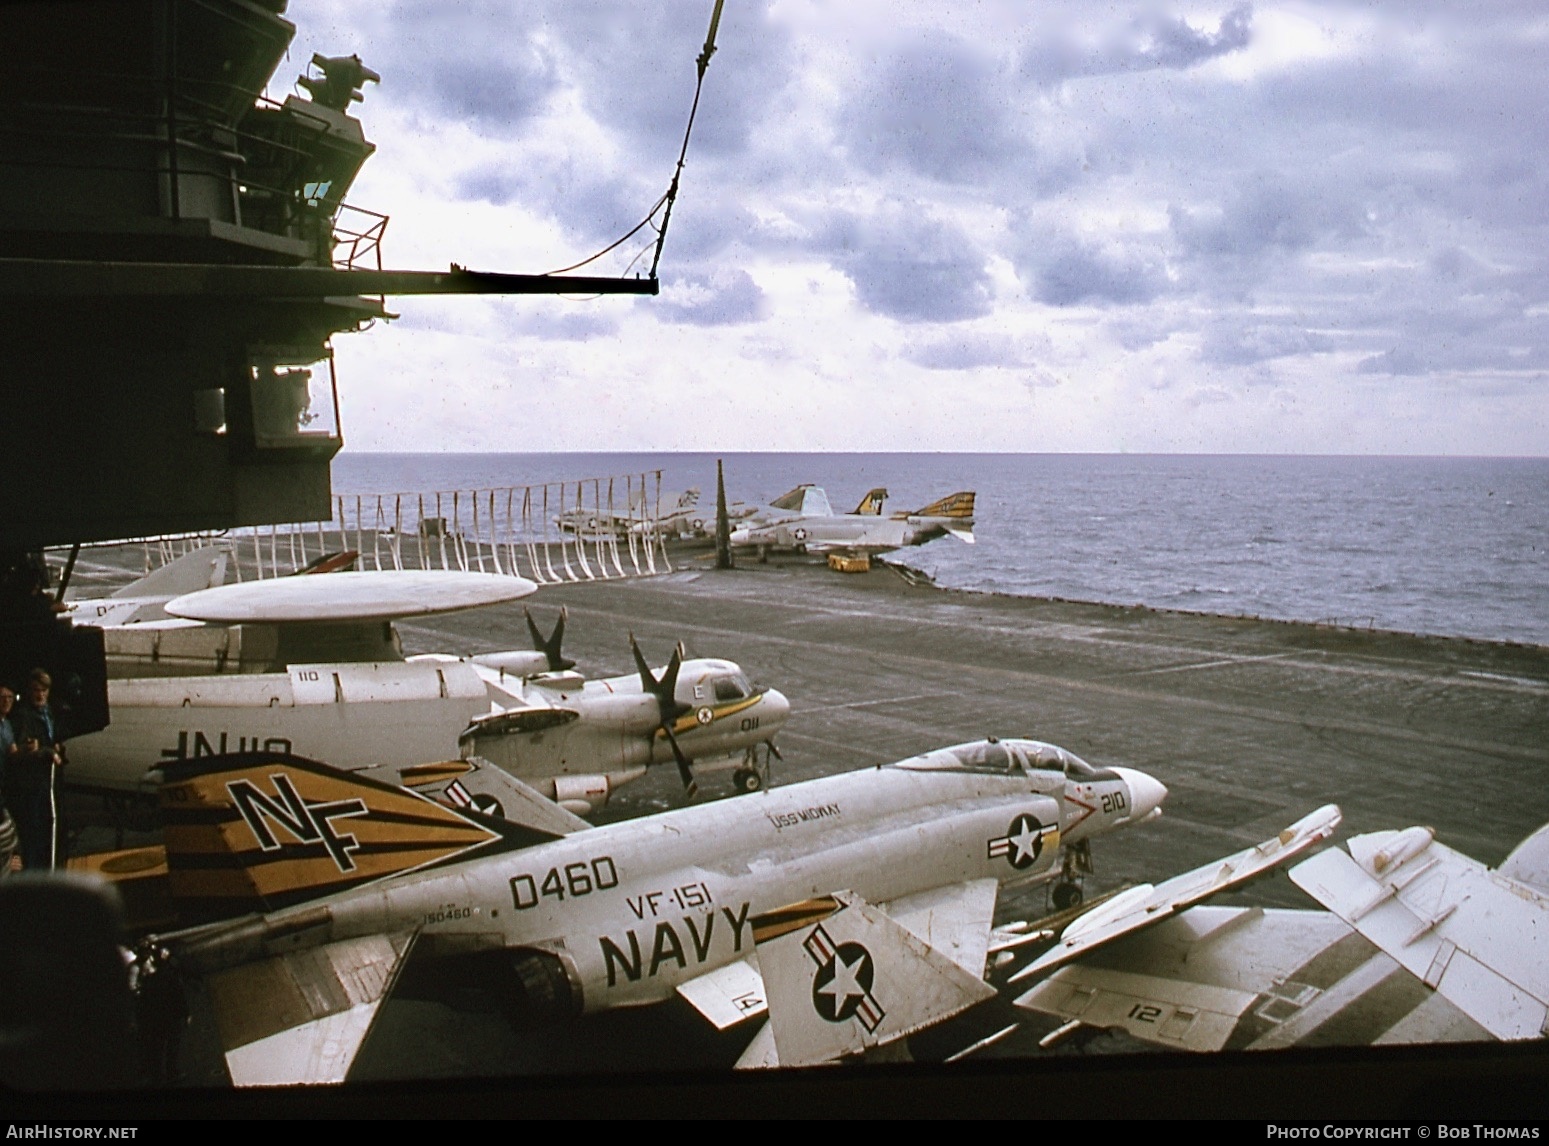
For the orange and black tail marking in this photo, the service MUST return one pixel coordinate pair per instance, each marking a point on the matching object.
(257, 831)
(953, 505)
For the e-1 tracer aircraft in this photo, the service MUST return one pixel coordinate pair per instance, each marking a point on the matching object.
(314, 665)
(558, 725)
(321, 884)
(809, 525)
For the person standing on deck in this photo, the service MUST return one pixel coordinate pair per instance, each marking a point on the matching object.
(10, 856)
(30, 774)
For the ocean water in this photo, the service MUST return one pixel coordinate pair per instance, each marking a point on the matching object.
(1450, 546)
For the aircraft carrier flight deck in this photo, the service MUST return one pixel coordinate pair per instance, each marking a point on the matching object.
(1251, 724)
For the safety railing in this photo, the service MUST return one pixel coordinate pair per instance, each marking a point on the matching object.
(594, 529)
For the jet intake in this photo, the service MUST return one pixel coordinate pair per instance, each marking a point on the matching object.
(540, 988)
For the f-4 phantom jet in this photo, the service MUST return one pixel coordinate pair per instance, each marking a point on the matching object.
(322, 885)
(810, 525)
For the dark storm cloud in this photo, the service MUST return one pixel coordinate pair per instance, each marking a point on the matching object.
(908, 266)
(938, 106)
(1151, 41)
(719, 298)
(1068, 272)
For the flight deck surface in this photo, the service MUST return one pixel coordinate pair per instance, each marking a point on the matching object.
(1251, 724)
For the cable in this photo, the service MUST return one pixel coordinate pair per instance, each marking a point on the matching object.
(671, 194)
(672, 191)
(617, 242)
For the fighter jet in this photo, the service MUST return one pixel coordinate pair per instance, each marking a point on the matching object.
(809, 525)
(321, 885)
(314, 665)
(1419, 944)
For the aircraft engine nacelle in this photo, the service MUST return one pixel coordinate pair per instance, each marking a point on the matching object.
(522, 663)
(581, 795)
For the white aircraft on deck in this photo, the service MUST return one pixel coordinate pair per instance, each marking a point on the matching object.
(323, 883)
(144, 599)
(313, 665)
(1420, 944)
(807, 523)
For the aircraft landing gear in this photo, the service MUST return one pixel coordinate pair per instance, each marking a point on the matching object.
(1066, 896)
(753, 775)
(1076, 862)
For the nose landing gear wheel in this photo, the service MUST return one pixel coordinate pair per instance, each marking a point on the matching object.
(747, 780)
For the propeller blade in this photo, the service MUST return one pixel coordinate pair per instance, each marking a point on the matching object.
(685, 770)
(647, 680)
(551, 646)
(669, 685)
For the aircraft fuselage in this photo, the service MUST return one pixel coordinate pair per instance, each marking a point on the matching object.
(634, 909)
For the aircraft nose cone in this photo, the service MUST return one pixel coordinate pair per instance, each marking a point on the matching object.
(739, 537)
(1146, 792)
(777, 706)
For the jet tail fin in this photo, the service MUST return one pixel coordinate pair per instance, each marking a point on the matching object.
(203, 568)
(960, 504)
(871, 504)
(257, 831)
(842, 978)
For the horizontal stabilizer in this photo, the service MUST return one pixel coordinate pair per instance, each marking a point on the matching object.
(964, 535)
(1144, 906)
(302, 1018)
(1480, 940)
(843, 978)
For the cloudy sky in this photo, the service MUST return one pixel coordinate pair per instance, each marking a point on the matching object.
(1255, 227)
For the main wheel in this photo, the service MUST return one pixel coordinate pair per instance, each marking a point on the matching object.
(747, 780)
(1066, 896)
